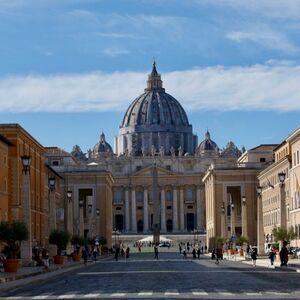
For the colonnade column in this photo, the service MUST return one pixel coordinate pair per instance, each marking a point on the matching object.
(133, 210)
(198, 201)
(175, 210)
(163, 210)
(127, 216)
(146, 222)
(181, 208)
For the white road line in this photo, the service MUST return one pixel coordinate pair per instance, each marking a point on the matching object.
(145, 293)
(171, 293)
(66, 296)
(15, 297)
(118, 295)
(200, 293)
(41, 297)
(225, 293)
(92, 295)
(278, 293)
(253, 294)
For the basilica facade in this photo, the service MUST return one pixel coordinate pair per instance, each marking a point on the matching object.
(155, 130)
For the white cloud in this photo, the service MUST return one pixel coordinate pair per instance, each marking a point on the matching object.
(269, 39)
(114, 51)
(272, 86)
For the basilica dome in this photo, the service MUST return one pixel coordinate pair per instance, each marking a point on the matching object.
(207, 146)
(155, 122)
(102, 148)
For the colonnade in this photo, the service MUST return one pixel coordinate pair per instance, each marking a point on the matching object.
(178, 209)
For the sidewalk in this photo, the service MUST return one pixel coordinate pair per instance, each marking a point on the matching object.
(26, 275)
(264, 261)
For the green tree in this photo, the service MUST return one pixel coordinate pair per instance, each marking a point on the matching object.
(60, 238)
(241, 240)
(281, 234)
(12, 233)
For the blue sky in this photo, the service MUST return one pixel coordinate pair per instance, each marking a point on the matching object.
(70, 68)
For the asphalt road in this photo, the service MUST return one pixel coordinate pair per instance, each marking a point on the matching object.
(168, 277)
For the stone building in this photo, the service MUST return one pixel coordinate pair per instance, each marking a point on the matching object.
(154, 130)
(230, 194)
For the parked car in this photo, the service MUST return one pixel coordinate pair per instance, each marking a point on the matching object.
(164, 244)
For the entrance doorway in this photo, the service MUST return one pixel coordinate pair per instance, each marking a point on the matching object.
(119, 221)
(140, 226)
(190, 222)
(169, 225)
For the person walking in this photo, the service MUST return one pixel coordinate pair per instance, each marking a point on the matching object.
(272, 256)
(85, 255)
(155, 252)
(254, 256)
(198, 253)
(127, 252)
(194, 253)
(117, 251)
(284, 254)
(180, 248)
(184, 253)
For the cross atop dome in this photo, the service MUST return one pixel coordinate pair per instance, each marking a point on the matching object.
(154, 81)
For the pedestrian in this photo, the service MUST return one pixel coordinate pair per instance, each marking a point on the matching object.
(284, 254)
(198, 253)
(202, 249)
(180, 248)
(272, 256)
(155, 252)
(117, 251)
(95, 254)
(205, 249)
(184, 253)
(122, 252)
(85, 255)
(194, 253)
(254, 256)
(127, 252)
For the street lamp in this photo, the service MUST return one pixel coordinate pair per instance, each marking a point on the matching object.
(223, 220)
(244, 200)
(260, 228)
(51, 183)
(98, 212)
(281, 177)
(90, 208)
(26, 163)
(80, 203)
(26, 247)
(283, 218)
(69, 195)
(244, 217)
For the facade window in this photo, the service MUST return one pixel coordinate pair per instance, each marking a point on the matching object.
(189, 195)
(118, 196)
(169, 195)
(262, 159)
(139, 196)
(298, 157)
(55, 163)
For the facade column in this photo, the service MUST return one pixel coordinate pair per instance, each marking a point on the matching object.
(127, 216)
(181, 208)
(260, 225)
(244, 217)
(175, 210)
(198, 201)
(163, 210)
(26, 246)
(81, 219)
(133, 210)
(146, 221)
(232, 219)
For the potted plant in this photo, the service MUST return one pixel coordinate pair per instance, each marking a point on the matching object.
(77, 241)
(11, 234)
(60, 238)
(241, 240)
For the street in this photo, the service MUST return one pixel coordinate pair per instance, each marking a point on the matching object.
(168, 277)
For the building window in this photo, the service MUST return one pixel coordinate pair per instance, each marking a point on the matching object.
(118, 196)
(189, 195)
(169, 195)
(169, 207)
(298, 157)
(262, 159)
(55, 163)
(140, 196)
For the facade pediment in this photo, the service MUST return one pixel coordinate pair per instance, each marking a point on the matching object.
(147, 172)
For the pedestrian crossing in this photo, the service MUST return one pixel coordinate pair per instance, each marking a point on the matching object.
(192, 294)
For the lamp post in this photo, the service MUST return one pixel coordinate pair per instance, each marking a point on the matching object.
(52, 213)
(26, 247)
(98, 222)
(232, 219)
(90, 206)
(283, 218)
(81, 225)
(69, 211)
(223, 234)
(244, 217)
(260, 228)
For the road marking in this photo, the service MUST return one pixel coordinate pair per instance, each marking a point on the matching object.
(118, 295)
(253, 294)
(172, 293)
(93, 295)
(145, 293)
(225, 293)
(66, 296)
(278, 293)
(200, 293)
(15, 297)
(41, 297)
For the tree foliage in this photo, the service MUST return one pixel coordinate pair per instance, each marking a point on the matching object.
(241, 240)
(282, 234)
(60, 238)
(12, 234)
